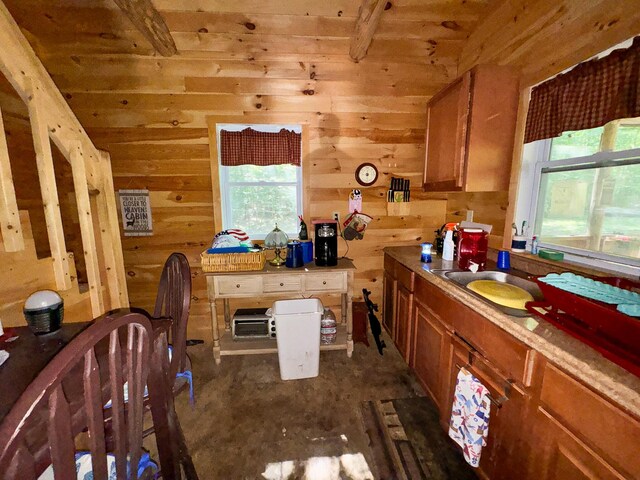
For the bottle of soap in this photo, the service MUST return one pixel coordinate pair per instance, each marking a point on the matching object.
(447, 247)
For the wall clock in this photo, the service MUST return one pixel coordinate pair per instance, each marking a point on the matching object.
(366, 174)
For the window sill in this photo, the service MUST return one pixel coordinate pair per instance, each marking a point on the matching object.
(535, 265)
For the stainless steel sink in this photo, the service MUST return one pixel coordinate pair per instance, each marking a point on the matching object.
(463, 278)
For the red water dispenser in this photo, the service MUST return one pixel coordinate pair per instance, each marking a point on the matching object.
(472, 249)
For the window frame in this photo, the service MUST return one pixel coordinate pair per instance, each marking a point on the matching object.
(538, 154)
(226, 207)
(254, 120)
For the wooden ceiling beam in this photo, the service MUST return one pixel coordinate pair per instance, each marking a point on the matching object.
(368, 19)
(150, 23)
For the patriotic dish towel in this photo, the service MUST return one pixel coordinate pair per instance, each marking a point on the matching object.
(469, 424)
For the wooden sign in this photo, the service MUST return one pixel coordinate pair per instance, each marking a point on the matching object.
(136, 213)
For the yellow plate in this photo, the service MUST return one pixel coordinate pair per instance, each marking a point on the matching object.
(501, 293)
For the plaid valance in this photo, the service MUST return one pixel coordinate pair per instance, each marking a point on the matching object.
(260, 148)
(590, 95)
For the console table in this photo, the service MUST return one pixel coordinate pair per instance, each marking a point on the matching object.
(283, 282)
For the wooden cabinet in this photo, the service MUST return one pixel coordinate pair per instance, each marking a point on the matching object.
(470, 132)
(397, 316)
(430, 352)
(404, 323)
(389, 293)
(404, 310)
(505, 453)
(580, 434)
(544, 423)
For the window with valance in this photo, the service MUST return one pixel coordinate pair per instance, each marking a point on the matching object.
(260, 177)
(580, 179)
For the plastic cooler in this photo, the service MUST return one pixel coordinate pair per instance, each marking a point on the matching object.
(298, 337)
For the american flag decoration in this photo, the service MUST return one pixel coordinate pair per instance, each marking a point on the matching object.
(240, 235)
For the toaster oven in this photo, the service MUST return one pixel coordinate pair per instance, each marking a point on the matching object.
(252, 323)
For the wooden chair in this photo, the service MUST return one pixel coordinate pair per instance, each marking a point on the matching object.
(117, 352)
(173, 301)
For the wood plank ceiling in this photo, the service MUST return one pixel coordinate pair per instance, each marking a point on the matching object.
(277, 61)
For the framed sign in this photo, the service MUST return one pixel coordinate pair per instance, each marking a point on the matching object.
(136, 213)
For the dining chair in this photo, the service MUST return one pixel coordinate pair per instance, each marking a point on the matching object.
(117, 353)
(173, 301)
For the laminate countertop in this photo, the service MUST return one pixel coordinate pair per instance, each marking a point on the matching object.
(583, 362)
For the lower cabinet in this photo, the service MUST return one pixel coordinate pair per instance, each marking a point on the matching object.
(431, 352)
(404, 321)
(563, 456)
(389, 292)
(544, 423)
(580, 434)
(505, 454)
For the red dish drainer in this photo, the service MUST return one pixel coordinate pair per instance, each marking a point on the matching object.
(612, 333)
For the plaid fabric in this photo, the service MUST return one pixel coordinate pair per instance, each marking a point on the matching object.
(590, 95)
(260, 148)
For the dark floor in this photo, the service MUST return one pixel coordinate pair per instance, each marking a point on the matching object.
(246, 417)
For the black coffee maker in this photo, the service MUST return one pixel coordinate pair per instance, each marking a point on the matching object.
(326, 243)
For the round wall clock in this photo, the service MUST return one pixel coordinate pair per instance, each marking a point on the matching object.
(366, 174)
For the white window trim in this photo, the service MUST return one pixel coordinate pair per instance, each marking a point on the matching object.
(224, 174)
(535, 159)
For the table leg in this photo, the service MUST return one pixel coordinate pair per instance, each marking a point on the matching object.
(227, 315)
(215, 332)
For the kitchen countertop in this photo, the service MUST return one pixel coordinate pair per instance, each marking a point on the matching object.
(572, 355)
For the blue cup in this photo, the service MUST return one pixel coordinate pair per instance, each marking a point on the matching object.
(504, 260)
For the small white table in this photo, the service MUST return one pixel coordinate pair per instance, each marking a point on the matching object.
(279, 282)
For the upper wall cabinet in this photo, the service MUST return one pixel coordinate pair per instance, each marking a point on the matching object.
(470, 132)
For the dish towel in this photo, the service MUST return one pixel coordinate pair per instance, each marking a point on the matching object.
(469, 424)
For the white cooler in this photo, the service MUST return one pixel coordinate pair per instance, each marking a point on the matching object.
(298, 337)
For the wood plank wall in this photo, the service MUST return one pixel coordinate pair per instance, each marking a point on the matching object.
(286, 62)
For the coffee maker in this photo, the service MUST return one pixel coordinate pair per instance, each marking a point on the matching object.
(326, 242)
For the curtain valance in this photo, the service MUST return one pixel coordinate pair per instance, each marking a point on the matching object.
(590, 95)
(260, 148)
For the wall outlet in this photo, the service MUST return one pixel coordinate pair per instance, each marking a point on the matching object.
(336, 216)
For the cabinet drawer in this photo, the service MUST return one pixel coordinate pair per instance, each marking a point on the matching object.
(282, 283)
(239, 285)
(601, 425)
(326, 281)
(405, 277)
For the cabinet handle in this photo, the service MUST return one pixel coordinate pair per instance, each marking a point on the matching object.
(498, 402)
(324, 282)
(281, 284)
(237, 285)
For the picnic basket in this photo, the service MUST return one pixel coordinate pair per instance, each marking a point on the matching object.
(232, 262)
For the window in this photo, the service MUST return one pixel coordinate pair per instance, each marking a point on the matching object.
(585, 193)
(254, 198)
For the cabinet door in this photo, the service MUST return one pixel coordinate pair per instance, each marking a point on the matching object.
(404, 309)
(505, 455)
(446, 137)
(389, 287)
(430, 352)
(562, 456)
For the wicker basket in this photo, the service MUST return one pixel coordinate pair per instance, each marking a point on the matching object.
(232, 262)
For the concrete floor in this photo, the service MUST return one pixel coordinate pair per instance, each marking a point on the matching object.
(246, 417)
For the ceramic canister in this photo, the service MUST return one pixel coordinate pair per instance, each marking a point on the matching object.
(307, 251)
(294, 255)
